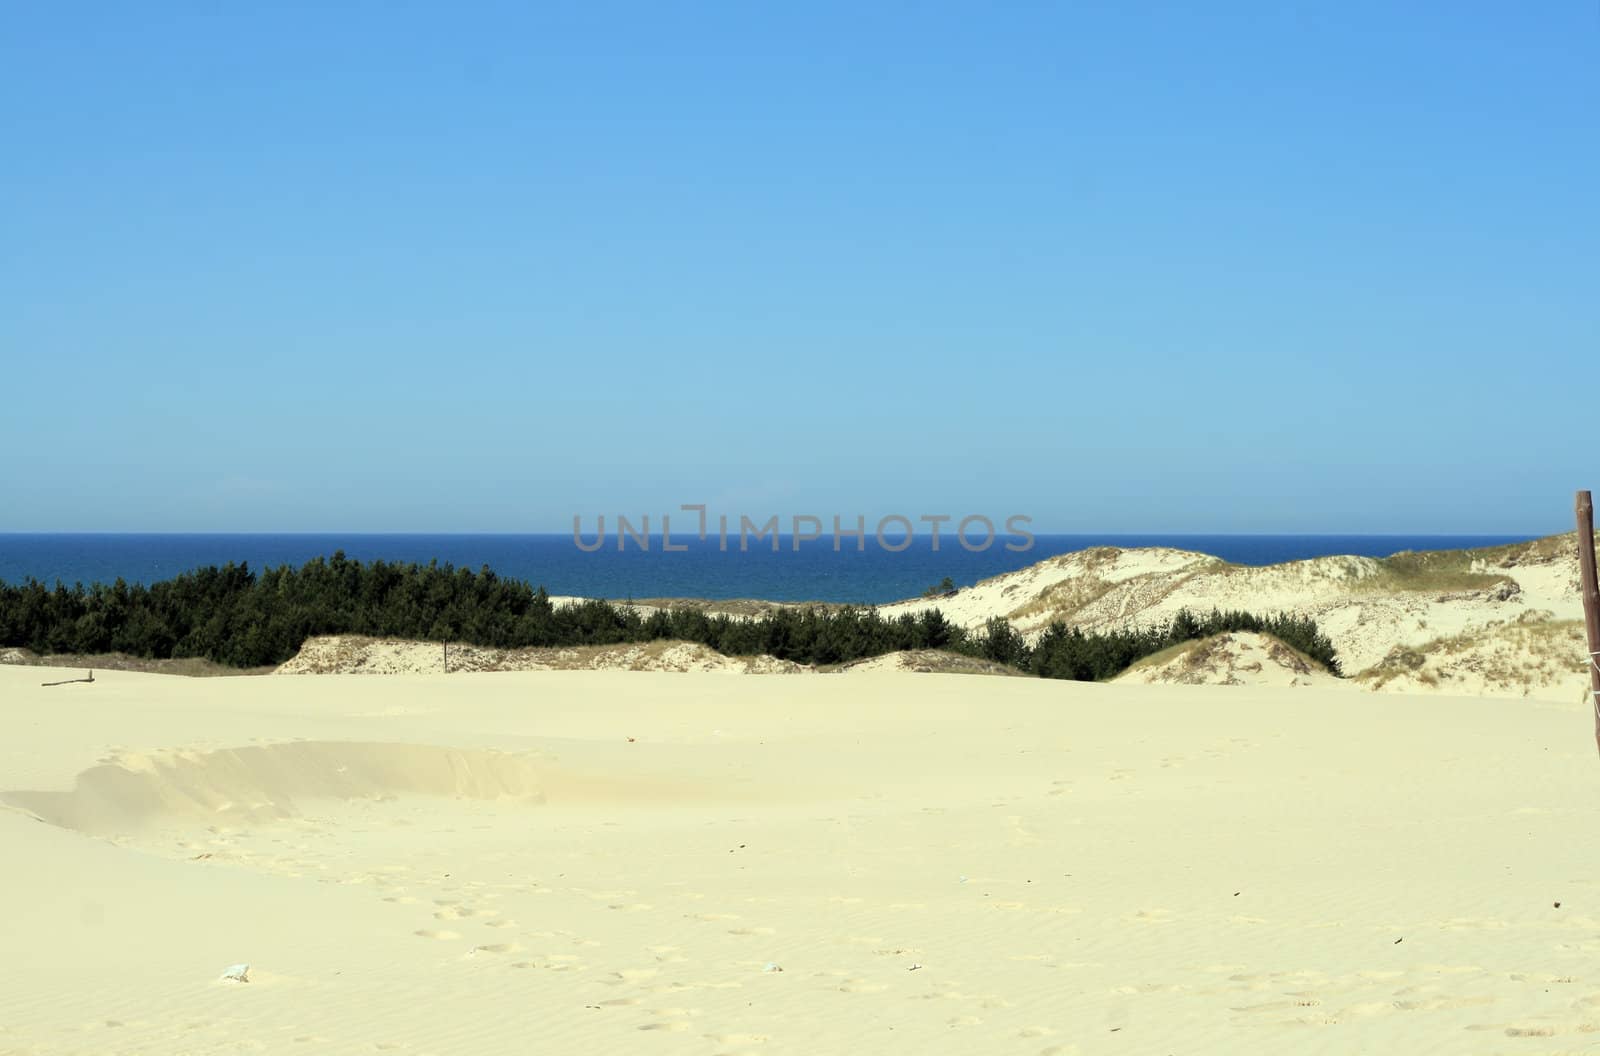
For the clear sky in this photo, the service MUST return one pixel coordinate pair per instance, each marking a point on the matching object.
(1257, 267)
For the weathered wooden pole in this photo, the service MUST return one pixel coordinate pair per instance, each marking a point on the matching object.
(1590, 586)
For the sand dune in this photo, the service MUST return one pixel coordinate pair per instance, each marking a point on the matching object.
(1496, 622)
(1237, 659)
(363, 655)
(578, 862)
(1499, 621)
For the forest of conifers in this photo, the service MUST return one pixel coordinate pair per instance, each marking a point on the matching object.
(240, 618)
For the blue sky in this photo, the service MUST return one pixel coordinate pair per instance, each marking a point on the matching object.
(1120, 267)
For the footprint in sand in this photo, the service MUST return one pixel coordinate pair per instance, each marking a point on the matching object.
(637, 975)
(737, 1039)
(1021, 835)
(429, 933)
(672, 1019)
(1512, 1030)
(1438, 1004)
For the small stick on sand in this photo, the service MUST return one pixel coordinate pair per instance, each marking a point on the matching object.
(87, 677)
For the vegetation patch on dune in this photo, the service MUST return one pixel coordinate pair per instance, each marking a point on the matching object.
(1238, 658)
(1443, 571)
(233, 616)
(932, 662)
(1063, 652)
(1533, 649)
(1534, 551)
(188, 666)
(364, 654)
(1065, 599)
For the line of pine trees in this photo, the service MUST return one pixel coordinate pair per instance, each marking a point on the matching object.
(233, 616)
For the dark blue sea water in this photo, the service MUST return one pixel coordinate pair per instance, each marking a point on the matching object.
(813, 573)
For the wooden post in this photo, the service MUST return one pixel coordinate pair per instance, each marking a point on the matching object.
(447, 670)
(1591, 600)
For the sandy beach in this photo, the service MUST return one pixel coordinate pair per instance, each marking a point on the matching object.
(799, 530)
(595, 861)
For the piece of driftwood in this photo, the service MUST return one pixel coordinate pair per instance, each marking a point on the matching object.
(87, 677)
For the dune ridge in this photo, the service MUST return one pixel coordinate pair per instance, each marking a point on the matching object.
(1502, 621)
(1497, 622)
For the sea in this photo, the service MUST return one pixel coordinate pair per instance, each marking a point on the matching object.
(807, 570)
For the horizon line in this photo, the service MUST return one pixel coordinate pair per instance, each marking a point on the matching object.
(1388, 534)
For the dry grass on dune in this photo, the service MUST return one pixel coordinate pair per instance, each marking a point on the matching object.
(191, 667)
(1232, 659)
(930, 662)
(361, 654)
(1503, 657)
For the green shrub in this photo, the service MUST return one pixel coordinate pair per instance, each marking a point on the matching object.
(235, 617)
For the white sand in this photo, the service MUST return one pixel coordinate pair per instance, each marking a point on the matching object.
(486, 863)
